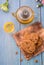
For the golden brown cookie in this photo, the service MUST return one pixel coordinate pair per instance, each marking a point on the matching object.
(28, 46)
(20, 37)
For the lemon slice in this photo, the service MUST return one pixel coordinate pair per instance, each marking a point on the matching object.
(8, 27)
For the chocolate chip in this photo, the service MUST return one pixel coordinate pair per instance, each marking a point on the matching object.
(21, 60)
(16, 52)
(36, 61)
(18, 35)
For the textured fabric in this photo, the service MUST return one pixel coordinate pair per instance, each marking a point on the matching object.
(19, 36)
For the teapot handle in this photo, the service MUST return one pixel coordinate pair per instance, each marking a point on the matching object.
(14, 14)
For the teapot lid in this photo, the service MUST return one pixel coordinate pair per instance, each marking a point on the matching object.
(24, 13)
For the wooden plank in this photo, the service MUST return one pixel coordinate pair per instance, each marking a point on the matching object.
(42, 20)
(8, 46)
(32, 4)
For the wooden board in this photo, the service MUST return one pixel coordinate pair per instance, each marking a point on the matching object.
(32, 4)
(8, 46)
(42, 19)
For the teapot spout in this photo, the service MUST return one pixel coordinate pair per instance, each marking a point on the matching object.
(14, 14)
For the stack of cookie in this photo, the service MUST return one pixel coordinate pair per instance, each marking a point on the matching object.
(30, 40)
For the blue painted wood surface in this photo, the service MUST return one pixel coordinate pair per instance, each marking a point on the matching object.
(42, 19)
(8, 46)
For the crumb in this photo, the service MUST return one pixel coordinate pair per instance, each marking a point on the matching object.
(36, 61)
(16, 52)
(21, 60)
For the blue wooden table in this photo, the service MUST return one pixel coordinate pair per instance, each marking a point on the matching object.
(8, 46)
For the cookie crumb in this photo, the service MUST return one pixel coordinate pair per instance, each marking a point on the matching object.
(21, 60)
(36, 61)
(16, 52)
